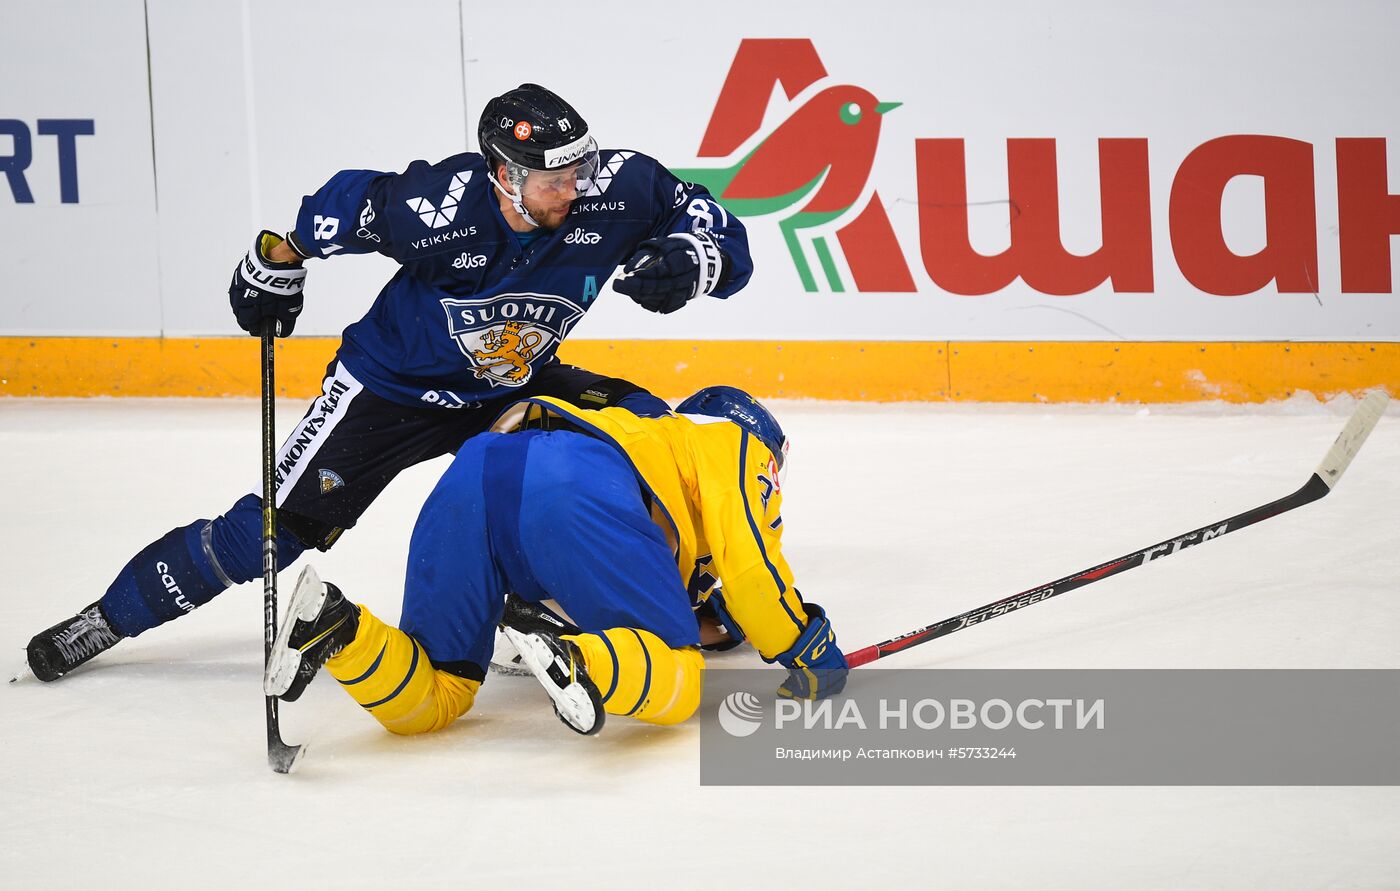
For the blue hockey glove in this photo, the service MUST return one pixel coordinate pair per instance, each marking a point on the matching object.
(263, 288)
(816, 666)
(667, 272)
(714, 618)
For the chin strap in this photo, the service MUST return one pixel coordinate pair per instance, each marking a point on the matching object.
(517, 201)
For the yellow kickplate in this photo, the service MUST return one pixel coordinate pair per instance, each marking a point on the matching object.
(878, 371)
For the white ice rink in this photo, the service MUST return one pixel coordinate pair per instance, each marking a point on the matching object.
(146, 769)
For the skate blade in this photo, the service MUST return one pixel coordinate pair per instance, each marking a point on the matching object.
(572, 702)
(23, 673)
(505, 658)
(283, 662)
(510, 670)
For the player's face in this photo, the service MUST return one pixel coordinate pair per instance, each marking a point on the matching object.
(548, 195)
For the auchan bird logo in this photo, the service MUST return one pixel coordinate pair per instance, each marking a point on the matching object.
(810, 170)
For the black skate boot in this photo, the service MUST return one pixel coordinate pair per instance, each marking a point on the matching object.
(522, 615)
(318, 624)
(58, 650)
(558, 665)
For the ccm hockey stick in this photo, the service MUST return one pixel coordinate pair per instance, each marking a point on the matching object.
(1319, 484)
(280, 756)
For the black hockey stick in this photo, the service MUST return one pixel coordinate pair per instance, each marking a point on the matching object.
(280, 756)
(1318, 485)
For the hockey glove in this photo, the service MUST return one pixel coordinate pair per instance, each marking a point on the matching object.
(718, 630)
(816, 666)
(667, 272)
(263, 288)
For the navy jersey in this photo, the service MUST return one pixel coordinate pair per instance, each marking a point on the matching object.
(472, 314)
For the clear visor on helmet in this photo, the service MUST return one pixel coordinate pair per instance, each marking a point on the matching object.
(577, 170)
(782, 460)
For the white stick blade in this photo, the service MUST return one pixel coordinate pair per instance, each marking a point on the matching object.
(1353, 435)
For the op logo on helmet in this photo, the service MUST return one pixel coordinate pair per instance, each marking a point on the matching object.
(523, 130)
(508, 335)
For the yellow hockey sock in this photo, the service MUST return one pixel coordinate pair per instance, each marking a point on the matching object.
(387, 672)
(640, 677)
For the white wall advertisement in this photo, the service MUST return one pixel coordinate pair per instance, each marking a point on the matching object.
(77, 183)
(907, 171)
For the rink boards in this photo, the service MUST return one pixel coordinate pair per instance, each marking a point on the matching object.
(880, 371)
(1134, 203)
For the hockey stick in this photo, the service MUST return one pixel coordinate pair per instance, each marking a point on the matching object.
(280, 756)
(1319, 484)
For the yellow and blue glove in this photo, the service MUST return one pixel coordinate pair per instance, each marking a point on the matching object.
(816, 666)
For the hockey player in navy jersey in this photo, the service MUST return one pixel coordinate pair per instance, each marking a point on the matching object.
(501, 253)
(607, 514)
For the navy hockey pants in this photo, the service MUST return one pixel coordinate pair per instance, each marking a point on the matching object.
(347, 447)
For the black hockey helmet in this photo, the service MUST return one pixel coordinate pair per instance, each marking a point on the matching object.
(531, 129)
(534, 128)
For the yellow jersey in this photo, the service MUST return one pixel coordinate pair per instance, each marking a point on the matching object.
(713, 490)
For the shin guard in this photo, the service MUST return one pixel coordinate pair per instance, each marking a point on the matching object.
(190, 566)
(169, 577)
(389, 675)
(641, 677)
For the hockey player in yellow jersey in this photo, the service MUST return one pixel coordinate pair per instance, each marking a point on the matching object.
(627, 523)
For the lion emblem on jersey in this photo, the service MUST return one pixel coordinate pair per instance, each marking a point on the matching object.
(507, 346)
(507, 335)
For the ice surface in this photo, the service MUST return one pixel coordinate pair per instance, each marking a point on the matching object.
(146, 768)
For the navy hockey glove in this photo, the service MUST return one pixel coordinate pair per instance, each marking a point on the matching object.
(718, 630)
(667, 272)
(263, 288)
(816, 666)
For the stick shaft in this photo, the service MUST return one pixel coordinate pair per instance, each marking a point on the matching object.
(280, 756)
(1338, 458)
(269, 516)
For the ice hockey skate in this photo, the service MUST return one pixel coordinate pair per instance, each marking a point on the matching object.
(524, 616)
(54, 652)
(558, 665)
(318, 624)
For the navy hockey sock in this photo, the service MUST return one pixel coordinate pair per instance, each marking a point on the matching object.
(163, 581)
(190, 566)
